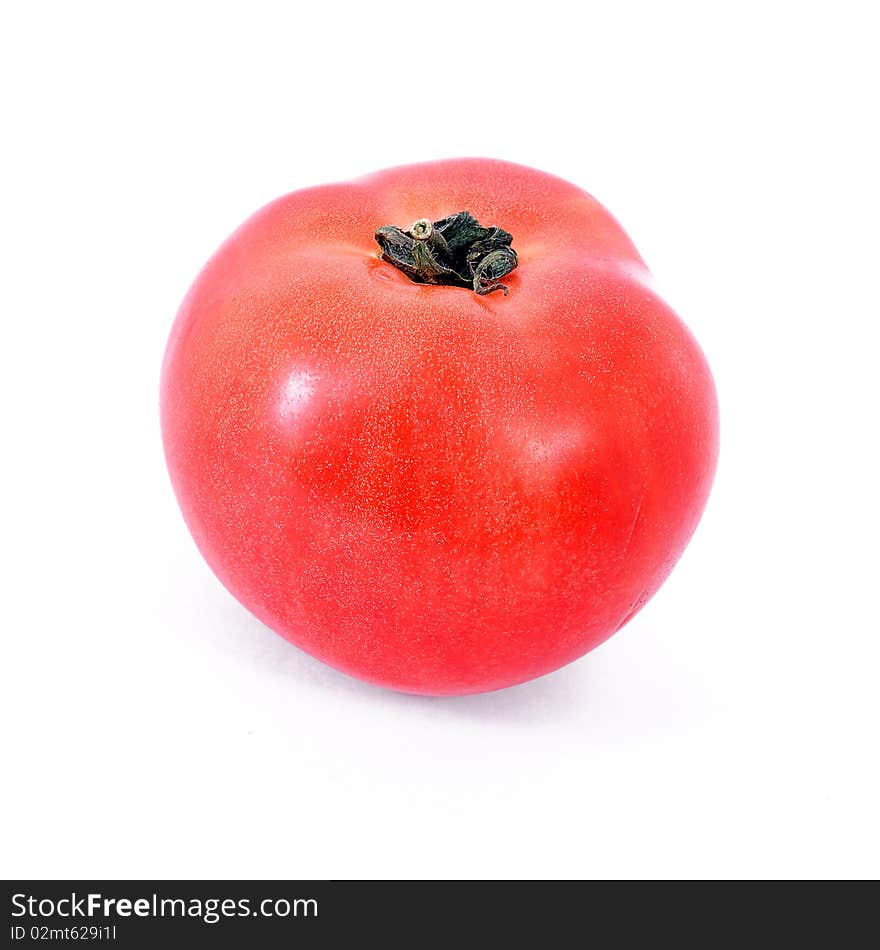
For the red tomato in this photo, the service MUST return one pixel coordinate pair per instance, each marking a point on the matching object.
(430, 489)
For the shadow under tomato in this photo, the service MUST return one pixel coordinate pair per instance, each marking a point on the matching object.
(624, 690)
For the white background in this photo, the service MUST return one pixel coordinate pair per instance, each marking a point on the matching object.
(154, 728)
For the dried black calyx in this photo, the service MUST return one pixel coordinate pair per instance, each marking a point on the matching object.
(456, 251)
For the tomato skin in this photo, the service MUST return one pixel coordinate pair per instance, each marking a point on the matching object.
(434, 491)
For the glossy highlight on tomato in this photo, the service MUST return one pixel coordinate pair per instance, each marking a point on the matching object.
(437, 490)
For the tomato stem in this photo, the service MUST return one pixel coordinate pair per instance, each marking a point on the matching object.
(456, 251)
